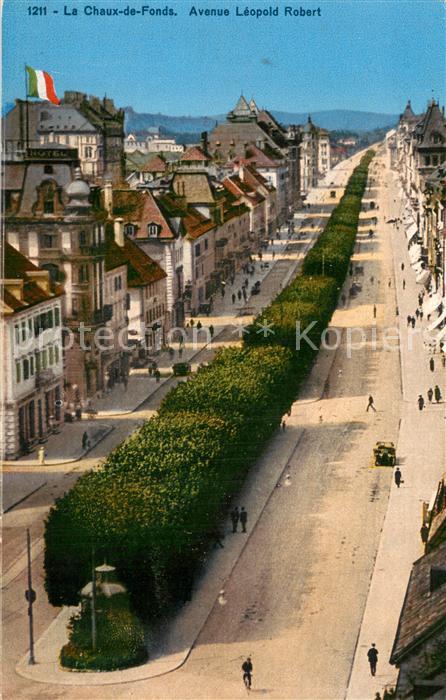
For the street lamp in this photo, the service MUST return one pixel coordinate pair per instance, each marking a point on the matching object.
(30, 596)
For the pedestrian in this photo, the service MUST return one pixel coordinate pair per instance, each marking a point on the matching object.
(421, 314)
(233, 298)
(273, 254)
(372, 279)
(409, 320)
(389, 283)
(283, 426)
(199, 326)
(85, 440)
(239, 295)
(420, 402)
(244, 293)
(430, 394)
(402, 266)
(413, 321)
(235, 517)
(437, 393)
(397, 311)
(211, 330)
(370, 404)
(374, 310)
(192, 322)
(157, 375)
(417, 313)
(41, 455)
(343, 299)
(247, 672)
(222, 292)
(424, 533)
(404, 284)
(125, 381)
(372, 656)
(243, 519)
(431, 364)
(180, 353)
(397, 477)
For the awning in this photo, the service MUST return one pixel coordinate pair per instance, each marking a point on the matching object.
(418, 267)
(431, 304)
(438, 321)
(411, 230)
(423, 277)
(415, 254)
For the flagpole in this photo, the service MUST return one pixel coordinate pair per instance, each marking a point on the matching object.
(26, 111)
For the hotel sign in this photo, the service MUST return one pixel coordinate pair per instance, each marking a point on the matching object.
(51, 154)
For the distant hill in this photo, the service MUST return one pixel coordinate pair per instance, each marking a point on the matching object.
(336, 119)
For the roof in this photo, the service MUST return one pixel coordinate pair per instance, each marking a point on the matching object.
(408, 114)
(242, 110)
(239, 188)
(194, 224)
(195, 186)
(141, 207)
(424, 610)
(141, 269)
(18, 267)
(156, 164)
(257, 157)
(433, 122)
(194, 153)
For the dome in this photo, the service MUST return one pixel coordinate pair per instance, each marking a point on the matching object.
(78, 191)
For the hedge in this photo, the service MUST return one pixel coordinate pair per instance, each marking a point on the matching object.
(153, 508)
(120, 638)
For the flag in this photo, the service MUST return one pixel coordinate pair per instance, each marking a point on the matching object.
(41, 84)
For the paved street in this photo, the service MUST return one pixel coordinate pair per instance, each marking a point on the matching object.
(306, 567)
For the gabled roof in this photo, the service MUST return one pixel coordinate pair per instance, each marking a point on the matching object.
(240, 189)
(18, 267)
(424, 610)
(141, 207)
(408, 114)
(241, 109)
(141, 269)
(194, 153)
(156, 164)
(192, 222)
(433, 122)
(256, 157)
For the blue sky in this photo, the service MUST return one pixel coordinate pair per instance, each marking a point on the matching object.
(359, 54)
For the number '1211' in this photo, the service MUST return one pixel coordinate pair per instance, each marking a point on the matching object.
(34, 10)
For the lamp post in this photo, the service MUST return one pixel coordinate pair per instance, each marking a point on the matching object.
(30, 596)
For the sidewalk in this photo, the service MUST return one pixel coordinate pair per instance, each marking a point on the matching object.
(65, 446)
(400, 543)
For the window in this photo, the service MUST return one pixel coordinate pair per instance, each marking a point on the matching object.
(57, 316)
(197, 250)
(44, 359)
(206, 244)
(434, 160)
(17, 334)
(118, 283)
(18, 373)
(47, 240)
(98, 234)
(88, 152)
(23, 329)
(31, 366)
(48, 207)
(38, 362)
(82, 238)
(129, 230)
(83, 273)
(427, 160)
(25, 369)
(56, 354)
(51, 355)
(152, 230)
(48, 169)
(49, 319)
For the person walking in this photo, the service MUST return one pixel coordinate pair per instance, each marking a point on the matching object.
(421, 314)
(243, 519)
(409, 320)
(413, 322)
(273, 254)
(430, 394)
(157, 375)
(402, 266)
(41, 455)
(235, 517)
(222, 292)
(417, 313)
(397, 476)
(85, 440)
(239, 295)
(424, 533)
(233, 298)
(211, 331)
(404, 284)
(372, 656)
(370, 404)
(247, 672)
(372, 279)
(437, 393)
(397, 311)
(420, 402)
(431, 364)
(389, 283)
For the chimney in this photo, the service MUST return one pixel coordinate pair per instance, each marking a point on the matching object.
(119, 232)
(108, 198)
(204, 142)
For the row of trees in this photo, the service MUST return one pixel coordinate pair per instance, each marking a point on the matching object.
(153, 508)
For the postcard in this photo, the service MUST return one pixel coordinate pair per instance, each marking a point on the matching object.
(224, 349)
